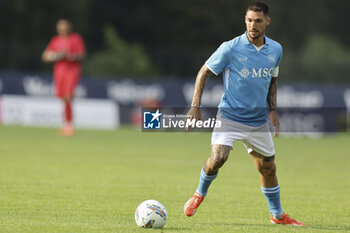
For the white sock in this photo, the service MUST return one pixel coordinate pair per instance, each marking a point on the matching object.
(277, 215)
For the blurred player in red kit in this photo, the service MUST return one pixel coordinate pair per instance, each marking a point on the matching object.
(66, 50)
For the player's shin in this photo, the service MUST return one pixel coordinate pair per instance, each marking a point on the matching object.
(204, 183)
(68, 112)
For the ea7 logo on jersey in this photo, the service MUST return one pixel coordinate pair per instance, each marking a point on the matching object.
(243, 59)
(256, 73)
(152, 120)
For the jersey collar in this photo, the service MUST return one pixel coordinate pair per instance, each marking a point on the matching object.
(246, 41)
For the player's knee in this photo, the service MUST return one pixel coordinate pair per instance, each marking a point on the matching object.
(215, 162)
(218, 161)
(218, 157)
(67, 98)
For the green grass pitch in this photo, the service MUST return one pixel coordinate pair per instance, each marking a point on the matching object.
(94, 181)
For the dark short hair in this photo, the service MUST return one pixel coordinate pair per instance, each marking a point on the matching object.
(258, 6)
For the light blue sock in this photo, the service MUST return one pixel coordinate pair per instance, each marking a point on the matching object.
(273, 199)
(204, 183)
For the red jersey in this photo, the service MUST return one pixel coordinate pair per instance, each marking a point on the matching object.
(66, 73)
(72, 44)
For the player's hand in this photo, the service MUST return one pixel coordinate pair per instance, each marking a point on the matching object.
(75, 56)
(51, 56)
(72, 57)
(193, 113)
(60, 55)
(275, 122)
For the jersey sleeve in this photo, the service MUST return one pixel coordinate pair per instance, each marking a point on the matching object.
(79, 45)
(219, 59)
(279, 59)
(52, 45)
(280, 56)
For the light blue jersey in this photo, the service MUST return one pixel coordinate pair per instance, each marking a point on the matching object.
(247, 72)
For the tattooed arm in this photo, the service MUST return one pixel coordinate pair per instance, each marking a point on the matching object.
(272, 102)
(272, 94)
(195, 112)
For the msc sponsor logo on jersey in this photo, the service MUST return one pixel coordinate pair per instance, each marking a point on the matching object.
(256, 72)
(152, 120)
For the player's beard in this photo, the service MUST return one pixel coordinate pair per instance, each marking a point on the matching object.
(256, 36)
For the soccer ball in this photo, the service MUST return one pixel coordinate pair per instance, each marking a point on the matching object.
(151, 214)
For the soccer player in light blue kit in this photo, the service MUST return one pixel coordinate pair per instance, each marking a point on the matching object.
(249, 64)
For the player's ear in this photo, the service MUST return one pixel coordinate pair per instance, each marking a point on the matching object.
(268, 20)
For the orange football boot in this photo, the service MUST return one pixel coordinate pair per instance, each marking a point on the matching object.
(286, 220)
(67, 130)
(192, 204)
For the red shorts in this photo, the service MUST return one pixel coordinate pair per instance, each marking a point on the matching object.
(65, 80)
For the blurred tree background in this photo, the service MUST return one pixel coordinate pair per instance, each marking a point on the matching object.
(158, 38)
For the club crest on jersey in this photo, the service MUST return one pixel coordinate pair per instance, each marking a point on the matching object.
(271, 58)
